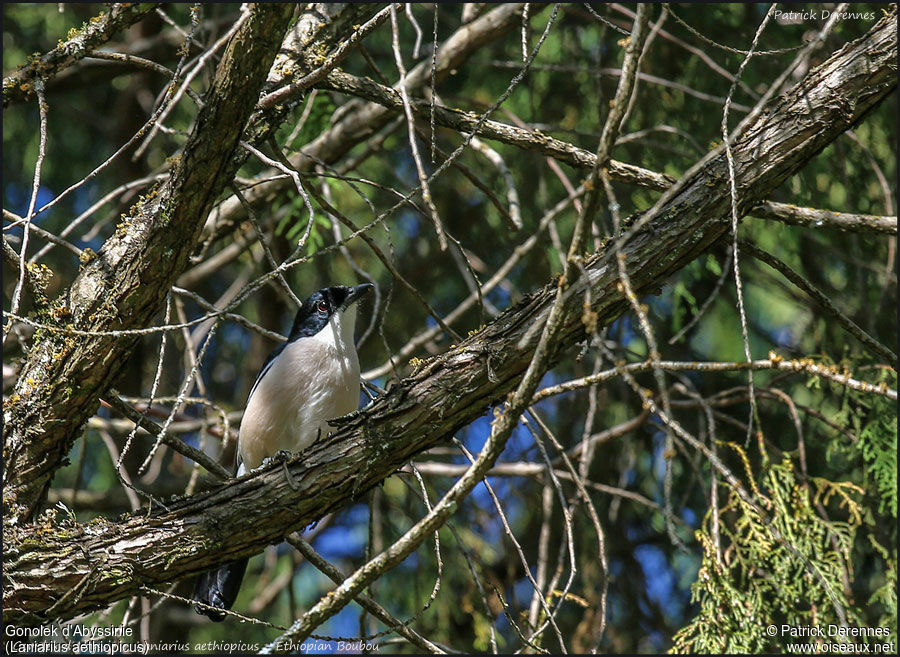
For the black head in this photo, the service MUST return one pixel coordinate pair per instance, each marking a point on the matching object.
(321, 305)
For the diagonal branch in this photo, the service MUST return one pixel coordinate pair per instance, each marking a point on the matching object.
(545, 351)
(75, 569)
(827, 305)
(60, 386)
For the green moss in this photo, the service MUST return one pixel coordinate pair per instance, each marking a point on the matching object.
(87, 256)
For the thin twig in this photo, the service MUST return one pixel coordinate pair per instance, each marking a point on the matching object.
(394, 625)
(179, 446)
(735, 217)
(43, 109)
(413, 144)
(774, 362)
(854, 329)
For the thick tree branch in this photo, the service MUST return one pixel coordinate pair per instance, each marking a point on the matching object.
(71, 569)
(295, 87)
(125, 285)
(320, 27)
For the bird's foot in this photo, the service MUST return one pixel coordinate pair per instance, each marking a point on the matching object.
(282, 456)
(352, 415)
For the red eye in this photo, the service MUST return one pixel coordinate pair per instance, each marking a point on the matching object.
(322, 307)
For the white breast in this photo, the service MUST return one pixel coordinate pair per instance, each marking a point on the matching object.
(311, 381)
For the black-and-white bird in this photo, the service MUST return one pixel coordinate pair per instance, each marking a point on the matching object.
(306, 381)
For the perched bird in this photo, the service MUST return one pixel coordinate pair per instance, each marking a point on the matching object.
(306, 381)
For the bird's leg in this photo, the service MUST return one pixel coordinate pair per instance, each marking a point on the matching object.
(366, 390)
(349, 417)
(289, 477)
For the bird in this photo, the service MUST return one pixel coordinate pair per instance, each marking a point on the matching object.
(311, 378)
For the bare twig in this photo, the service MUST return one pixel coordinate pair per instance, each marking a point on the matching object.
(178, 445)
(821, 299)
(774, 362)
(35, 187)
(413, 145)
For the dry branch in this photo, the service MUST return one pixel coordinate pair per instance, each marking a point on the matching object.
(364, 122)
(562, 151)
(815, 218)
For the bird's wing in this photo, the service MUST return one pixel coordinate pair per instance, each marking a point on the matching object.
(239, 467)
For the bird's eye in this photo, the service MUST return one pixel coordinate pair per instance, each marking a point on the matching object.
(322, 307)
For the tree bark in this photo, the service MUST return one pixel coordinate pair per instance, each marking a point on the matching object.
(62, 570)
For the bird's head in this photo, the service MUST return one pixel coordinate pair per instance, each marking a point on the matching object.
(330, 305)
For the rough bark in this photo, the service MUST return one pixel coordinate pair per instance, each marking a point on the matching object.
(126, 283)
(61, 571)
(854, 223)
(319, 29)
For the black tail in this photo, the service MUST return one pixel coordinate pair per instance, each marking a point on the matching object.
(219, 588)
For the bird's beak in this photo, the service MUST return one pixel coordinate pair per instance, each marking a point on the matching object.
(357, 292)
